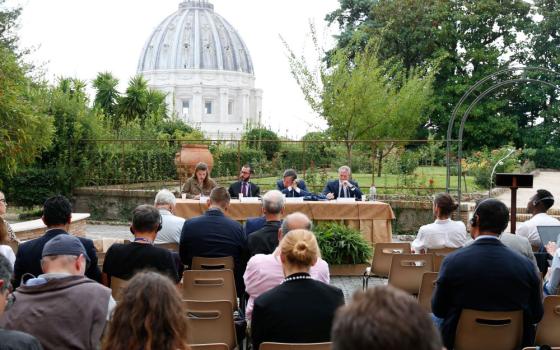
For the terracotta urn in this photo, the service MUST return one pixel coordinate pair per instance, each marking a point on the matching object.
(189, 156)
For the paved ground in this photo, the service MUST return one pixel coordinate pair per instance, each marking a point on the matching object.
(351, 284)
(548, 180)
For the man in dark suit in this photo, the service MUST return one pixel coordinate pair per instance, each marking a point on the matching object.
(265, 240)
(487, 276)
(57, 215)
(344, 187)
(215, 235)
(244, 185)
(289, 177)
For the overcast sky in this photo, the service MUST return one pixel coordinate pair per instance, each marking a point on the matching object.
(79, 38)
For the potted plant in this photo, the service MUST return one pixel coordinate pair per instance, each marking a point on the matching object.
(345, 249)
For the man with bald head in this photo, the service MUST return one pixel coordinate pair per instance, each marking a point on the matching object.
(264, 271)
(265, 240)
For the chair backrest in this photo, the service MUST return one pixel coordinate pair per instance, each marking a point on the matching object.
(295, 346)
(207, 285)
(14, 245)
(202, 263)
(548, 328)
(210, 322)
(496, 330)
(441, 251)
(117, 286)
(215, 346)
(382, 254)
(438, 259)
(407, 270)
(426, 290)
(174, 247)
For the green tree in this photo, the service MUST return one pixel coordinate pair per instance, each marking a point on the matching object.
(8, 24)
(106, 97)
(263, 139)
(134, 104)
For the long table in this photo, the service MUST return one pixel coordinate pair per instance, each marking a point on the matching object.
(373, 219)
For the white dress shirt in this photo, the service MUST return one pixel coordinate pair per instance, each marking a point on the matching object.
(171, 227)
(440, 234)
(528, 229)
(7, 251)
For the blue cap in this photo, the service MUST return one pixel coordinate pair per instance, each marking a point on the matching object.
(65, 244)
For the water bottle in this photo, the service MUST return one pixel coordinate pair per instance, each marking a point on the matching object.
(372, 193)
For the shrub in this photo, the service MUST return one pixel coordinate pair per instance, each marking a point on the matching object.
(480, 164)
(402, 162)
(342, 245)
(225, 160)
(263, 139)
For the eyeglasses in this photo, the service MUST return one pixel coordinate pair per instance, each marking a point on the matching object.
(245, 172)
(3, 200)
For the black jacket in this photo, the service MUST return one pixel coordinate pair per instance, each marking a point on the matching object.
(28, 257)
(298, 311)
(486, 276)
(264, 240)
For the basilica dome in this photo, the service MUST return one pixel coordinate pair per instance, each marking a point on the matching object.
(195, 37)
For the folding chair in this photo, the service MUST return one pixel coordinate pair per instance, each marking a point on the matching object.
(210, 322)
(216, 346)
(548, 327)
(381, 264)
(207, 285)
(427, 287)
(202, 263)
(295, 346)
(438, 260)
(441, 251)
(117, 286)
(174, 247)
(407, 270)
(496, 330)
(14, 245)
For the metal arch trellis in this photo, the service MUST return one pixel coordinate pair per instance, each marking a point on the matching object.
(466, 114)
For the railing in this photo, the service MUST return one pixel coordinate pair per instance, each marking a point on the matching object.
(393, 166)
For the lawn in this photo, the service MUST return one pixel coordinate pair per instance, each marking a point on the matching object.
(418, 183)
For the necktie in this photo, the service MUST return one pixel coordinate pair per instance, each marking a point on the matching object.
(244, 189)
(343, 192)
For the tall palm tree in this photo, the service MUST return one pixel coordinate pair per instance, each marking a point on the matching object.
(106, 95)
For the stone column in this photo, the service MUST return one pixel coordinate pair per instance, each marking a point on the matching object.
(224, 102)
(197, 105)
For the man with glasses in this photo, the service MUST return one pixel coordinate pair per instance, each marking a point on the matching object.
(244, 186)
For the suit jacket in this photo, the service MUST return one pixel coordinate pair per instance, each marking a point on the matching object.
(215, 235)
(265, 240)
(28, 257)
(254, 224)
(301, 185)
(488, 276)
(235, 189)
(297, 311)
(294, 193)
(332, 187)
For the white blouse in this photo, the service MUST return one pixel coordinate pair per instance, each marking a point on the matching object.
(441, 234)
(7, 251)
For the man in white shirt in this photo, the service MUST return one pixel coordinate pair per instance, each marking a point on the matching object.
(538, 206)
(171, 225)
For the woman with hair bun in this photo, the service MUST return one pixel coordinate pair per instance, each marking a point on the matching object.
(444, 232)
(300, 310)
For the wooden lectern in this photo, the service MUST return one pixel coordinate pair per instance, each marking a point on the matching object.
(514, 181)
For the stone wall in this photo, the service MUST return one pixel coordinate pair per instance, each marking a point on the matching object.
(110, 204)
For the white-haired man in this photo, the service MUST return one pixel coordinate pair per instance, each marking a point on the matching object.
(264, 271)
(265, 240)
(171, 225)
(344, 187)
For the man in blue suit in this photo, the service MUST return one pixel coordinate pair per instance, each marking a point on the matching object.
(487, 276)
(344, 187)
(288, 179)
(215, 235)
(253, 224)
(57, 215)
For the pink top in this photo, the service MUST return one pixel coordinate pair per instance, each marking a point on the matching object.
(264, 272)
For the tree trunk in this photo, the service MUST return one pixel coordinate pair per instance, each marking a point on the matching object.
(349, 153)
(379, 163)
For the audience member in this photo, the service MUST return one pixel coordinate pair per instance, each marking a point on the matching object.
(171, 225)
(149, 316)
(57, 215)
(253, 224)
(384, 318)
(124, 260)
(487, 275)
(200, 183)
(444, 232)
(215, 235)
(300, 310)
(264, 272)
(537, 206)
(12, 340)
(265, 240)
(5, 249)
(291, 186)
(344, 187)
(520, 245)
(551, 286)
(3, 208)
(244, 185)
(61, 307)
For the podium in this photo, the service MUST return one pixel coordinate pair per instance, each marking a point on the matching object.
(514, 181)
